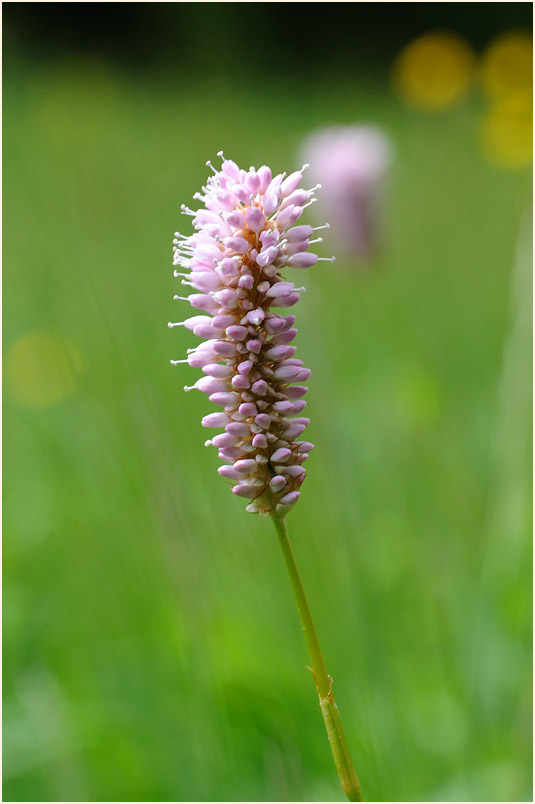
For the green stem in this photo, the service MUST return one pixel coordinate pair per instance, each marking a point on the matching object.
(342, 759)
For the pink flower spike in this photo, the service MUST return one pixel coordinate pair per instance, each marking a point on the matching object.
(245, 238)
(353, 164)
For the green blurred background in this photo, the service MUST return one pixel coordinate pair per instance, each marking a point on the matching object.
(152, 650)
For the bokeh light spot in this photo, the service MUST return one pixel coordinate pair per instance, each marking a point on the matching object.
(507, 65)
(507, 132)
(41, 368)
(434, 71)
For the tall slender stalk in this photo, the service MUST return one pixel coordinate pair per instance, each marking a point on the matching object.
(342, 759)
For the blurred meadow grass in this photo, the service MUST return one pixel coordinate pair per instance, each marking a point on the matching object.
(151, 647)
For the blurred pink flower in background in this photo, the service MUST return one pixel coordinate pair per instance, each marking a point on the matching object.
(351, 163)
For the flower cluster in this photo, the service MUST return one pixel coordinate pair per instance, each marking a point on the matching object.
(245, 236)
(352, 163)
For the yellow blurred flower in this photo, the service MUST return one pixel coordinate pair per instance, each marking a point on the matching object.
(434, 72)
(507, 65)
(507, 131)
(41, 368)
